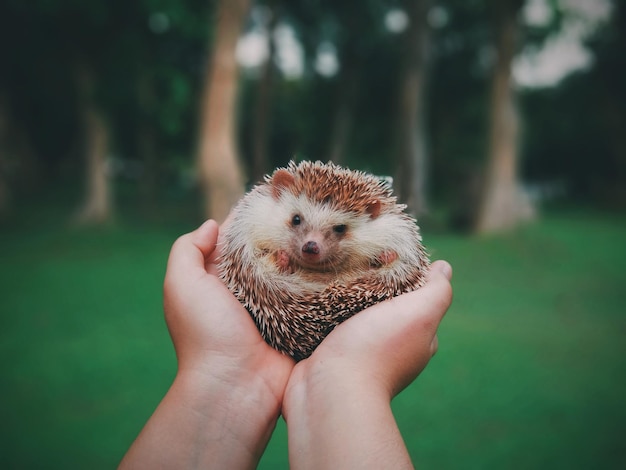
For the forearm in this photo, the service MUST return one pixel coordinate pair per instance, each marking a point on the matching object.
(342, 425)
(204, 423)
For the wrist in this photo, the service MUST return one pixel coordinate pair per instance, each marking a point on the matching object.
(352, 405)
(205, 421)
(236, 411)
(234, 386)
(315, 385)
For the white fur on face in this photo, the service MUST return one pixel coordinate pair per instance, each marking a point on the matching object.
(266, 222)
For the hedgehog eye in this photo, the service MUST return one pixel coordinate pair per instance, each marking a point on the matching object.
(341, 228)
(296, 220)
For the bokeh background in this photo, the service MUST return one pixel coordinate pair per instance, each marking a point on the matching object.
(503, 126)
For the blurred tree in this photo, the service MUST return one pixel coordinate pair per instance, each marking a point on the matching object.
(340, 107)
(71, 20)
(355, 27)
(220, 169)
(582, 156)
(457, 111)
(608, 77)
(147, 137)
(164, 57)
(144, 61)
(97, 206)
(262, 118)
(5, 195)
(342, 118)
(148, 64)
(412, 160)
(502, 205)
(33, 133)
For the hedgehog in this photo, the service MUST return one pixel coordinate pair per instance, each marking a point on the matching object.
(314, 244)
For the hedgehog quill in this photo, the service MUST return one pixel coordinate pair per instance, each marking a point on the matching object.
(313, 245)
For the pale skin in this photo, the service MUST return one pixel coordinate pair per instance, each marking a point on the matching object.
(231, 387)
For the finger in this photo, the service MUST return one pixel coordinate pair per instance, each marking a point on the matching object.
(205, 237)
(441, 267)
(434, 346)
(417, 313)
(190, 250)
(213, 258)
(432, 299)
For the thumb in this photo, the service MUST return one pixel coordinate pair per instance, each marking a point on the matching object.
(432, 299)
(440, 268)
(416, 314)
(190, 251)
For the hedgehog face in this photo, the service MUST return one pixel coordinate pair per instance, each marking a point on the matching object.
(316, 248)
(316, 218)
(315, 234)
(321, 238)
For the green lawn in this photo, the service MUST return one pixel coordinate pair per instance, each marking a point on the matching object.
(531, 370)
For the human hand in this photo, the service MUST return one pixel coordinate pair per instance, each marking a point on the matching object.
(390, 343)
(227, 395)
(212, 332)
(348, 382)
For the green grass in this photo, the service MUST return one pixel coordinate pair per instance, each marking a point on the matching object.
(531, 370)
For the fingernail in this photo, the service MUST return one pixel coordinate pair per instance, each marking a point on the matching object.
(207, 223)
(445, 268)
(434, 345)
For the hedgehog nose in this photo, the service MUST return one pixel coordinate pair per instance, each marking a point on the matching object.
(311, 247)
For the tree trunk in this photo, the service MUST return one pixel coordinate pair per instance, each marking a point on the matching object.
(5, 194)
(411, 144)
(147, 141)
(615, 119)
(219, 166)
(263, 111)
(345, 102)
(502, 204)
(97, 206)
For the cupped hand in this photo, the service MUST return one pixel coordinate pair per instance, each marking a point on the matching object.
(338, 401)
(223, 404)
(387, 345)
(212, 332)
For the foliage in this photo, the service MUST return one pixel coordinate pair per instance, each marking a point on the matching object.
(147, 60)
(578, 134)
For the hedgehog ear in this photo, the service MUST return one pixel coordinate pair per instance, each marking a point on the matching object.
(373, 209)
(281, 180)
